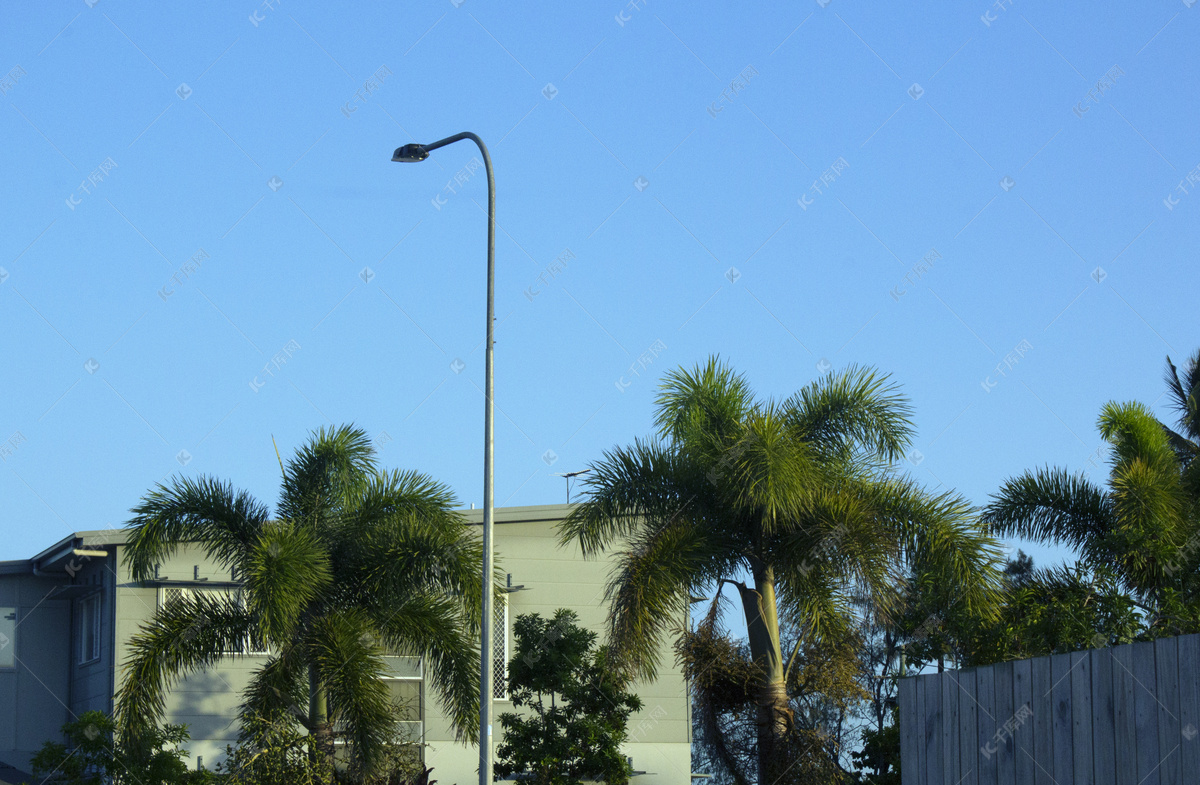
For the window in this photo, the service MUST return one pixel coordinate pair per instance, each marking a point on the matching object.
(500, 648)
(406, 697)
(253, 644)
(8, 637)
(88, 614)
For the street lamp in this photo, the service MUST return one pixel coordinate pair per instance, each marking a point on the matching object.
(411, 153)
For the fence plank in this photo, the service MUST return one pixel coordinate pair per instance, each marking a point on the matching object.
(1125, 738)
(1104, 761)
(985, 686)
(1189, 703)
(1146, 706)
(933, 728)
(909, 765)
(1043, 721)
(1060, 671)
(950, 749)
(968, 712)
(1006, 773)
(1023, 737)
(1081, 716)
(1166, 675)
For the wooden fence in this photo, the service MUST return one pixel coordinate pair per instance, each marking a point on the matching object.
(1127, 715)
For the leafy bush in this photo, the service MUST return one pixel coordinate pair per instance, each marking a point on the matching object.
(90, 757)
(578, 706)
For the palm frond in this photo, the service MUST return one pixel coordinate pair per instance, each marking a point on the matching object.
(277, 692)
(1185, 395)
(349, 665)
(709, 399)
(946, 542)
(404, 537)
(652, 584)
(432, 627)
(205, 511)
(629, 487)
(855, 410)
(286, 570)
(187, 634)
(327, 470)
(1053, 506)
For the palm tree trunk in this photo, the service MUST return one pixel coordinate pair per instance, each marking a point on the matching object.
(774, 714)
(320, 751)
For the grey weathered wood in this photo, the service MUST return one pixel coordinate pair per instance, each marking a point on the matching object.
(985, 686)
(968, 764)
(1189, 704)
(1104, 761)
(1060, 671)
(1006, 772)
(1043, 721)
(1125, 735)
(1023, 737)
(1128, 715)
(906, 695)
(933, 729)
(950, 751)
(1081, 716)
(1146, 706)
(1166, 675)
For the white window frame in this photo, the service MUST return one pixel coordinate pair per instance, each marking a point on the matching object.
(187, 591)
(89, 610)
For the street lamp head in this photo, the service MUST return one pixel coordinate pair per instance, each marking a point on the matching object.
(410, 153)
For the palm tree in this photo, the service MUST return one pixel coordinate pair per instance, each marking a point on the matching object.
(800, 496)
(356, 563)
(1144, 527)
(1185, 400)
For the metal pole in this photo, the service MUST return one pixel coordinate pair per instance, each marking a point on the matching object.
(485, 636)
(485, 642)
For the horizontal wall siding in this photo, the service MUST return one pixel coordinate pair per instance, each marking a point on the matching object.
(1127, 715)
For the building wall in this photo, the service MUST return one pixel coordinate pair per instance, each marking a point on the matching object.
(556, 577)
(207, 701)
(92, 682)
(34, 693)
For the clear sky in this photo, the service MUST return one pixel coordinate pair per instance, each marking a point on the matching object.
(205, 244)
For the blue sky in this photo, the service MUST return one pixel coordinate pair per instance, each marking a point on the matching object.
(205, 245)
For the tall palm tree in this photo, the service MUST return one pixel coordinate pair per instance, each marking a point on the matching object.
(1145, 525)
(356, 562)
(1184, 396)
(800, 496)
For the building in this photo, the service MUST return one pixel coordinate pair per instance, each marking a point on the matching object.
(67, 614)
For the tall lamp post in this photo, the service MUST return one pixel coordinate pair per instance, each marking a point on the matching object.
(411, 153)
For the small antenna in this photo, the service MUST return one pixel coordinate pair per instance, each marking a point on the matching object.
(570, 476)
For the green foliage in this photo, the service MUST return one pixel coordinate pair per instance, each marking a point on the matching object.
(880, 752)
(577, 706)
(357, 562)
(1137, 536)
(90, 756)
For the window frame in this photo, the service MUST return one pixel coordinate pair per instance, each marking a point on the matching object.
(89, 609)
(238, 594)
(12, 639)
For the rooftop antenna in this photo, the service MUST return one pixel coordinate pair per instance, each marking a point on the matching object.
(570, 476)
